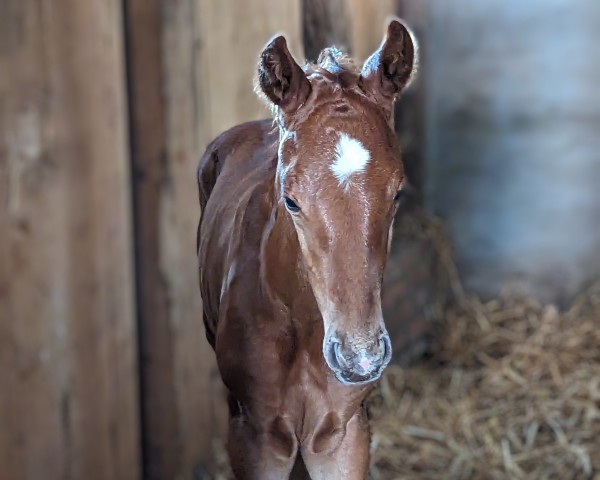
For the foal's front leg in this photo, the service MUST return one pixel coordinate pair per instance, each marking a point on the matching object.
(261, 452)
(346, 458)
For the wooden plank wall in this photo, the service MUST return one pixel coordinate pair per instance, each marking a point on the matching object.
(367, 24)
(192, 64)
(68, 382)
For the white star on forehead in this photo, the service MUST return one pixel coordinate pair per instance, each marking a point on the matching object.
(350, 157)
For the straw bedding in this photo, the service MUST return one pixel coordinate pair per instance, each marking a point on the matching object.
(511, 390)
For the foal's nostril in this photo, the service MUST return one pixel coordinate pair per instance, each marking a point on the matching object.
(385, 348)
(337, 354)
(380, 346)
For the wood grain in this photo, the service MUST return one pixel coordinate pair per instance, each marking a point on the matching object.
(67, 343)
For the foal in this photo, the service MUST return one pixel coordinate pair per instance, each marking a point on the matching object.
(293, 238)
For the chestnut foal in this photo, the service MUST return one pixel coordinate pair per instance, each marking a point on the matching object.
(293, 238)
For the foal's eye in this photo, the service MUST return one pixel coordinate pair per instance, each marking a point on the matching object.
(291, 205)
(399, 195)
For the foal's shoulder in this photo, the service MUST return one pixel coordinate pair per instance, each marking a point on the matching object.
(264, 129)
(244, 139)
(253, 134)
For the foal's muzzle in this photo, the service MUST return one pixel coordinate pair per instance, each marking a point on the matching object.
(355, 363)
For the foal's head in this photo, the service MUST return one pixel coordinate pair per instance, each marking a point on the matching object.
(339, 176)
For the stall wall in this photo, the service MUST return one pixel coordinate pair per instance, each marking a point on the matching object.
(513, 123)
(68, 349)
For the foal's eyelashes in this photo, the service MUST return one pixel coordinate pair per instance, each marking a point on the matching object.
(291, 206)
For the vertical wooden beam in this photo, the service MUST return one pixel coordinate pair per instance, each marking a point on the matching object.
(68, 407)
(367, 25)
(161, 444)
(192, 64)
(413, 292)
(325, 24)
(232, 35)
(355, 26)
(410, 115)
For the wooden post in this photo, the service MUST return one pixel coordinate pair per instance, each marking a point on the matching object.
(192, 65)
(355, 26)
(68, 402)
(367, 23)
(409, 117)
(325, 24)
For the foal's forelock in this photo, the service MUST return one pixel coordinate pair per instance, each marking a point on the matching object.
(339, 68)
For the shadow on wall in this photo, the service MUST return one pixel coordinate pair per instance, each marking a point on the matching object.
(513, 141)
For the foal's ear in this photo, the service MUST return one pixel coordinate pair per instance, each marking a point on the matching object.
(280, 77)
(391, 68)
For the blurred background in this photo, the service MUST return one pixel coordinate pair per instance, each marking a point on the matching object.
(105, 109)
